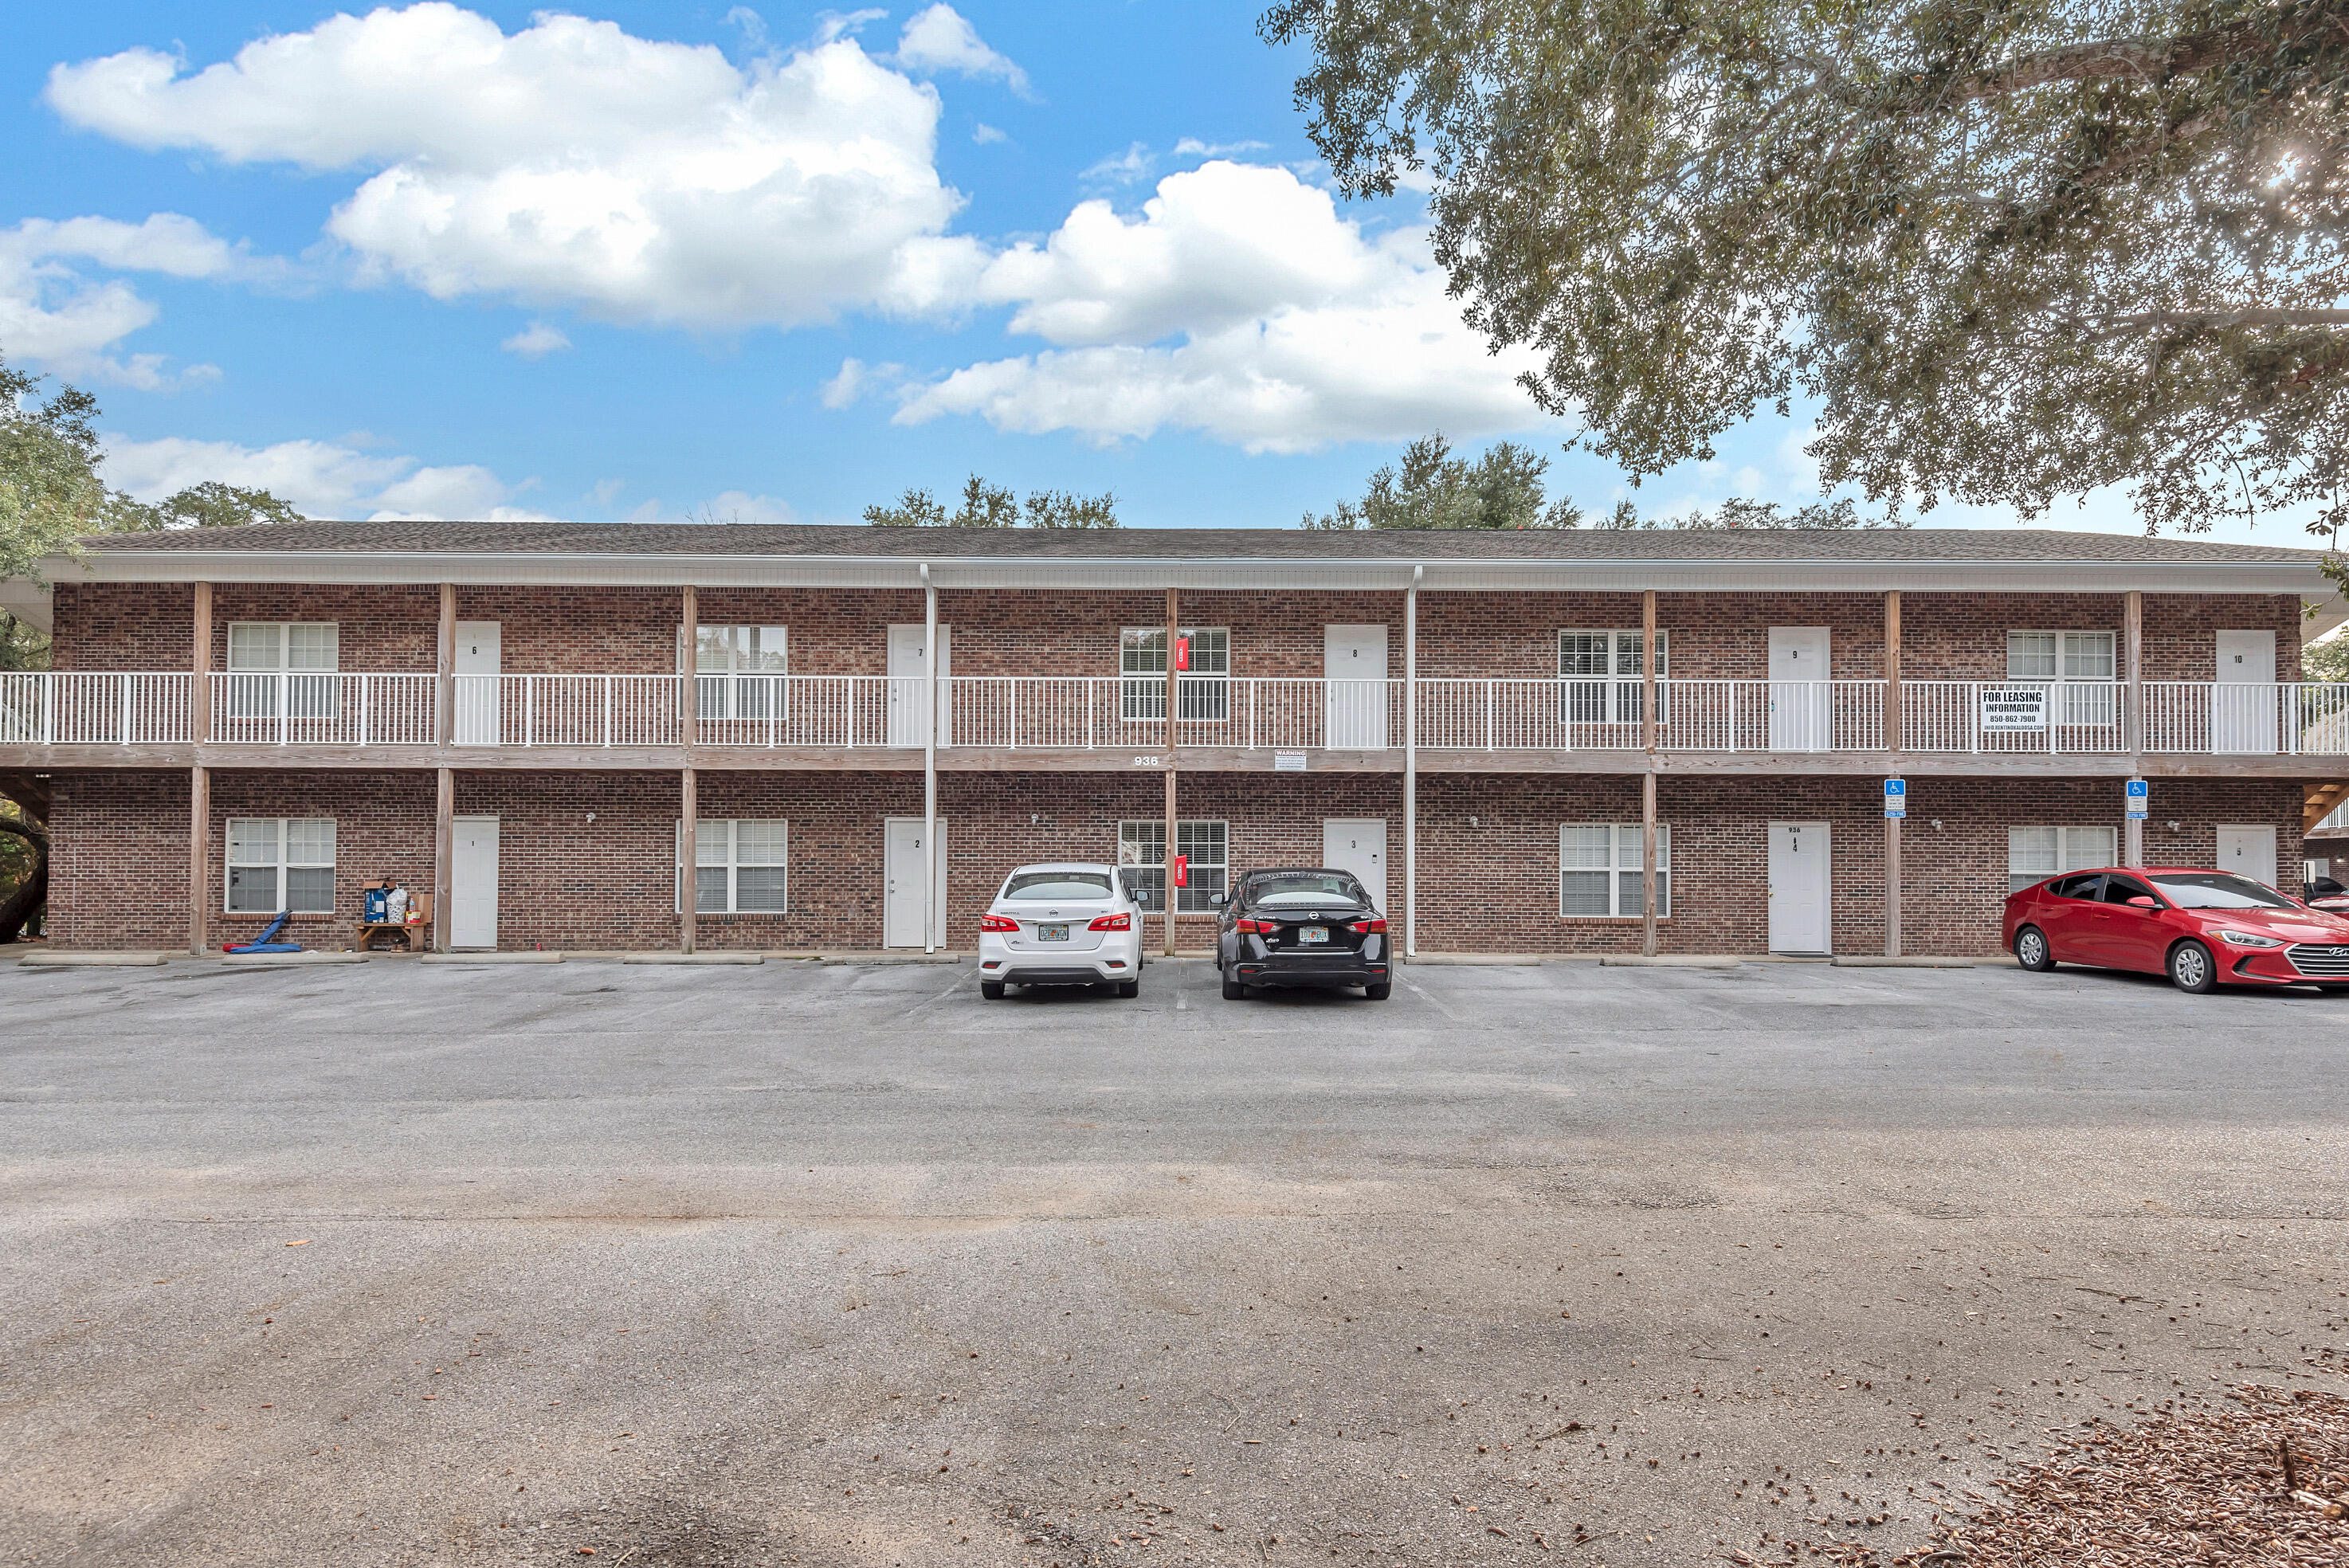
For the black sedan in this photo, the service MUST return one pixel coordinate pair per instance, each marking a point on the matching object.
(1302, 926)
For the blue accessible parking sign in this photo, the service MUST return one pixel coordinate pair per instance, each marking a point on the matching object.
(2139, 799)
(1896, 797)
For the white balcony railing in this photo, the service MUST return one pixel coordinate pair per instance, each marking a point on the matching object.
(94, 708)
(1011, 713)
(312, 708)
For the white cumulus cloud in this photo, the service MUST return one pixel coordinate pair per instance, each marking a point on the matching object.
(319, 479)
(939, 39)
(52, 311)
(572, 161)
(1239, 305)
(535, 341)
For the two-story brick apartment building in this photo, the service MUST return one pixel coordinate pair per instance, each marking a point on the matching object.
(1531, 741)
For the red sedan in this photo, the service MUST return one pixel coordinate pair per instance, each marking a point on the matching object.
(2199, 927)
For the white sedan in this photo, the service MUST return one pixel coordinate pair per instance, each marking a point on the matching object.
(1064, 924)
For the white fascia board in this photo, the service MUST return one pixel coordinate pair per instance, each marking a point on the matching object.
(534, 568)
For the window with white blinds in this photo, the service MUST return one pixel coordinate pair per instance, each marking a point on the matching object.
(1598, 871)
(281, 863)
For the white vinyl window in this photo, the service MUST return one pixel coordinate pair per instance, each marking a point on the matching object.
(1600, 676)
(2034, 854)
(2049, 657)
(282, 664)
(1598, 871)
(734, 666)
(1142, 860)
(1205, 689)
(741, 865)
(281, 863)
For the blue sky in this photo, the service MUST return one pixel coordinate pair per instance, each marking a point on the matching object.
(658, 260)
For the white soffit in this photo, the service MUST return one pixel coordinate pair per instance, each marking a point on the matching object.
(27, 601)
(1519, 575)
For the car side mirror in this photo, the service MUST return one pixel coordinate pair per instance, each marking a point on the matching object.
(1215, 901)
(2144, 901)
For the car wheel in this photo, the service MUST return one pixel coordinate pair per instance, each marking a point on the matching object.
(2191, 967)
(1234, 991)
(1129, 988)
(1379, 991)
(2031, 950)
(991, 989)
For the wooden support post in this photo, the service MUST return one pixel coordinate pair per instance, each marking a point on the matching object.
(1893, 736)
(1649, 941)
(689, 897)
(200, 693)
(444, 685)
(930, 932)
(1173, 696)
(689, 648)
(1410, 767)
(200, 858)
(2133, 698)
(444, 851)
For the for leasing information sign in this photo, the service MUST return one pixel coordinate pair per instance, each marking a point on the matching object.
(2014, 708)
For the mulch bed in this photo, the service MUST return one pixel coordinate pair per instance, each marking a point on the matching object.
(2183, 1488)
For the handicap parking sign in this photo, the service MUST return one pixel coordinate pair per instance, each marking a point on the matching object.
(1896, 797)
(2139, 799)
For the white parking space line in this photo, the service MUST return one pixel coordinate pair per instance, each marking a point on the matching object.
(1430, 1001)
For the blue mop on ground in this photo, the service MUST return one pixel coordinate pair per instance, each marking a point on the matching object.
(265, 944)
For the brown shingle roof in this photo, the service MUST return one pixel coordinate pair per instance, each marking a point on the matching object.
(2013, 544)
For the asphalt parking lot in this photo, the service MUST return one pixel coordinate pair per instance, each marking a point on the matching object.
(390, 1264)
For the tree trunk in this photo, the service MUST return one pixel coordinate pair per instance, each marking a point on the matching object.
(18, 909)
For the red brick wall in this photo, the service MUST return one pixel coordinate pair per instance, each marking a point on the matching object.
(122, 626)
(1952, 636)
(564, 883)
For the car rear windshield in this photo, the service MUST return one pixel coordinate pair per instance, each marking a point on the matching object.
(2218, 889)
(1305, 887)
(1057, 885)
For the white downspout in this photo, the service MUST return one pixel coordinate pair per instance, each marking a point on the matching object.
(930, 932)
(1411, 765)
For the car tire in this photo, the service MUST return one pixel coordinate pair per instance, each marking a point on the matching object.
(991, 989)
(2031, 952)
(1129, 988)
(1379, 991)
(2191, 967)
(1234, 991)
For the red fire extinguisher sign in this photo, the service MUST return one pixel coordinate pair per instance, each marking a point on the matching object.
(1182, 653)
(1181, 870)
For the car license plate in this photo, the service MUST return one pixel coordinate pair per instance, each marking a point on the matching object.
(1312, 934)
(1052, 934)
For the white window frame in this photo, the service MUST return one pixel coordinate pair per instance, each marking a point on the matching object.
(1609, 693)
(2085, 697)
(716, 847)
(1139, 837)
(2064, 849)
(278, 864)
(1203, 691)
(721, 652)
(310, 692)
(1622, 869)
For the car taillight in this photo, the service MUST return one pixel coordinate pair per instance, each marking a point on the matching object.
(1254, 927)
(1112, 922)
(1363, 927)
(997, 923)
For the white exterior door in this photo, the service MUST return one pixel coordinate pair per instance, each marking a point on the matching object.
(2243, 711)
(1354, 665)
(901, 910)
(473, 882)
(2249, 851)
(477, 668)
(1800, 715)
(909, 670)
(1800, 882)
(1358, 844)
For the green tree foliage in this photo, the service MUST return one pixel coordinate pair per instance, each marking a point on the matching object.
(2325, 661)
(2016, 250)
(24, 870)
(994, 506)
(50, 492)
(1739, 512)
(1432, 489)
